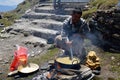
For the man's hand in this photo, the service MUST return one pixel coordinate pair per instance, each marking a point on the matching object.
(69, 43)
(59, 37)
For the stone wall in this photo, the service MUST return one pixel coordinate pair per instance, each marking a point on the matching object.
(107, 23)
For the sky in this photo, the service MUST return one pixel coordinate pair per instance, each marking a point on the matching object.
(10, 2)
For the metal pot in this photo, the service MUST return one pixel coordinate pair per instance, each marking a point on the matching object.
(66, 62)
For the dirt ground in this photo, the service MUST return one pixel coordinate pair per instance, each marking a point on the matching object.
(7, 49)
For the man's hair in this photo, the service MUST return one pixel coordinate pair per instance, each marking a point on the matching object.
(77, 10)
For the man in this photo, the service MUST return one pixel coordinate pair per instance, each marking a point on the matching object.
(75, 30)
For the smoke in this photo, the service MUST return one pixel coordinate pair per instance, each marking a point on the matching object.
(94, 40)
(81, 46)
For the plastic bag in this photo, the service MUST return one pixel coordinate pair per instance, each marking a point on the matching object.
(20, 58)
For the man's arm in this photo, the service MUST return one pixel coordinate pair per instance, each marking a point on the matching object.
(66, 27)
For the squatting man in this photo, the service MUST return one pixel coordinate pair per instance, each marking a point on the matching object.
(75, 29)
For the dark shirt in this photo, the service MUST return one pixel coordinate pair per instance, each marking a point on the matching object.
(79, 28)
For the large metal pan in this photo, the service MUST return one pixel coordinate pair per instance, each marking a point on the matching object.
(66, 62)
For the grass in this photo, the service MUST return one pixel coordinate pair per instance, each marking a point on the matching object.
(98, 4)
(103, 4)
(97, 78)
(114, 63)
(43, 58)
(106, 60)
(9, 17)
(89, 12)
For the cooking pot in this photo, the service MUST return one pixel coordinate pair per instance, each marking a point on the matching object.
(66, 62)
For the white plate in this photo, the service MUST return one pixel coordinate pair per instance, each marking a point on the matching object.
(29, 68)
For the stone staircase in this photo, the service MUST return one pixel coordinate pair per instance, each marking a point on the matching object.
(48, 9)
(41, 22)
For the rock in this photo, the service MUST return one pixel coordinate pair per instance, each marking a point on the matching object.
(108, 22)
(3, 31)
(6, 62)
(8, 29)
(19, 30)
(51, 62)
(45, 66)
(118, 5)
(36, 44)
(13, 32)
(40, 77)
(26, 43)
(2, 25)
(40, 51)
(42, 45)
(1, 72)
(117, 36)
(112, 58)
(26, 34)
(32, 55)
(17, 21)
(35, 23)
(33, 52)
(4, 36)
(118, 64)
(1, 59)
(1, 16)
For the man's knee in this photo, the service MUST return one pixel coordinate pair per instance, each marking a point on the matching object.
(59, 37)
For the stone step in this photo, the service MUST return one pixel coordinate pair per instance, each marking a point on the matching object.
(34, 30)
(34, 15)
(38, 23)
(43, 33)
(47, 23)
(33, 39)
(44, 4)
(50, 9)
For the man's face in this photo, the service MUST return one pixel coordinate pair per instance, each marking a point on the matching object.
(75, 17)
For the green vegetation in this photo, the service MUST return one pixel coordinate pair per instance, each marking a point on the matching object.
(21, 8)
(116, 64)
(103, 4)
(97, 78)
(43, 58)
(114, 61)
(9, 17)
(89, 13)
(99, 4)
